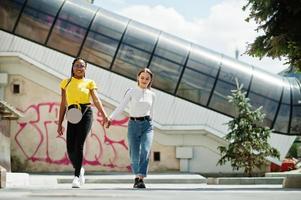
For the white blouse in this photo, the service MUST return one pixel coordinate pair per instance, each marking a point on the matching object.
(141, 103)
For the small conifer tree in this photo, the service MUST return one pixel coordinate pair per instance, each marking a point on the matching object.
(248, 145)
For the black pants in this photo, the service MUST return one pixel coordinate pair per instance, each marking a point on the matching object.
(76, 136)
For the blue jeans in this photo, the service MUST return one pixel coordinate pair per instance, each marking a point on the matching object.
(140, 137)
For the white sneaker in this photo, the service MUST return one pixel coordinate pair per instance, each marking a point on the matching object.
(82, 176)
(75, 182)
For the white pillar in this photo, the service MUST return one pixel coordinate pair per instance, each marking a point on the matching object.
(3, 83)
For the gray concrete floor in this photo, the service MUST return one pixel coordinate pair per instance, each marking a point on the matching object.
(36, 187)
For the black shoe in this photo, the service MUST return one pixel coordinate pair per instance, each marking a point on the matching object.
(140, 184)
(136, 183)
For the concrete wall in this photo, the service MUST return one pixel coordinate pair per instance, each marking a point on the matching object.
(197, 152)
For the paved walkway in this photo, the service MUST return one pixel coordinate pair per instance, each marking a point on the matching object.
(159, 187)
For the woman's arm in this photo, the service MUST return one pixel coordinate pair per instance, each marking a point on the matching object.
(120, 107)
(99, 105)
(152, 107)
(62, 112)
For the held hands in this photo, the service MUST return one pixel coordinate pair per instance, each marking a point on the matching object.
(108, 123)
(104, 120)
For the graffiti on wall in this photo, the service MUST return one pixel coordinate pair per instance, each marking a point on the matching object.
(36, 137)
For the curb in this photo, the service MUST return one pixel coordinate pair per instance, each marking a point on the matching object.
(246, 181)
(291, 180)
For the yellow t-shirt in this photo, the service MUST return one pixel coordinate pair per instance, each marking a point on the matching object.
(78, 90)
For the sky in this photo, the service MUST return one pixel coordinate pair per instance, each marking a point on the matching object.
(215, 24)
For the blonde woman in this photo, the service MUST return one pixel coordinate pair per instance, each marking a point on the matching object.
(140, 127)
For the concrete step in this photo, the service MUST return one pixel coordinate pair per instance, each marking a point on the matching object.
(245, 181)
(283, 174)
(17, 179)
(291, 179)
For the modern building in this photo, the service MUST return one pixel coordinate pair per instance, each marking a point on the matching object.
(40, 38)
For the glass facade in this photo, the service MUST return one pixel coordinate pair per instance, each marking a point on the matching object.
(103, 38)
(35, 21)
(295, 126)
(124, 46)
(282, 121)
(71, 27)
(168, 61)
(265, 91)
(231, 73)
(199, 75)
(9, 13)
(135, 50)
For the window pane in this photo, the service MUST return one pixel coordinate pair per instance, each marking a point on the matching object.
(166, 74)
(204, 61)
(266, 92)
(267, 85)
(168, 60)
(286, 98)
(36, 21)
(296, 92)
(281, 124)
(269, 107)
(136, 49)
(219, 100)
(141, 36)
(71, 27)
(296, 112)
(296, 120)
(103, 38)
(9, 12)
(172, 48)
(199, 75)
(130, 60)
(195, 86)
(232, 69)
(282, 120)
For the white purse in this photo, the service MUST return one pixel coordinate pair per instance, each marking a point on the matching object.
(74, 115)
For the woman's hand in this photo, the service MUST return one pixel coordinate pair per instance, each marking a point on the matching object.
(60, 130)
(105, 121)
(108, 124)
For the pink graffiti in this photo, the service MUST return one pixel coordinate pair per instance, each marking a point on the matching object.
(39, 126)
